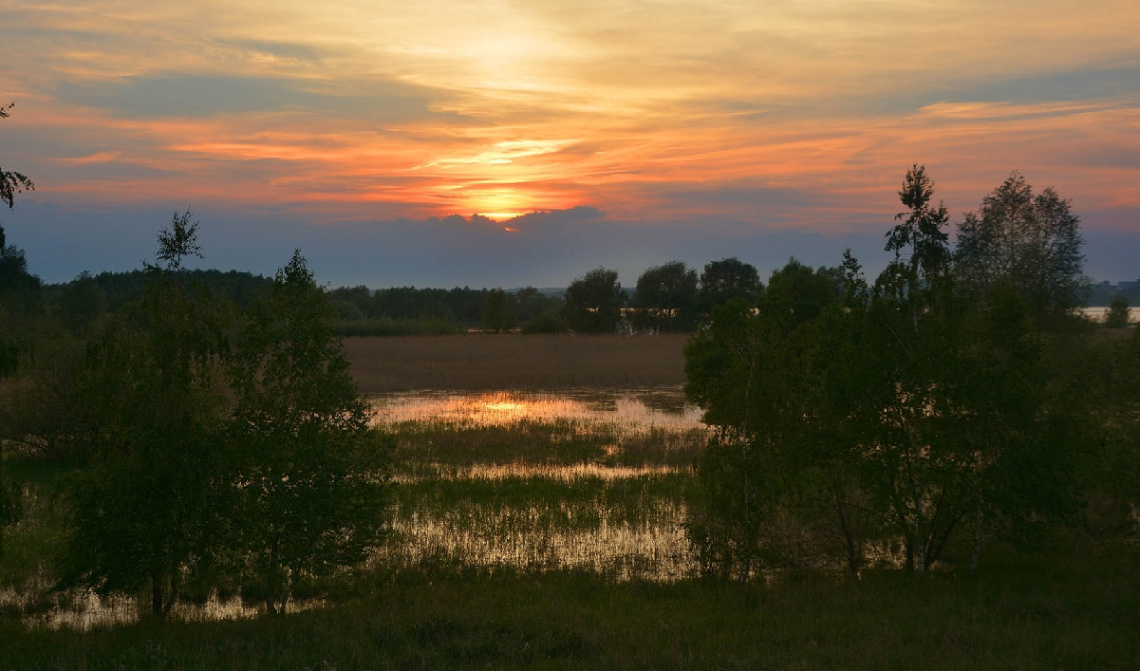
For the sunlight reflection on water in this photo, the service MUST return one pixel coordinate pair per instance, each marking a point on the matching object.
(632, 410)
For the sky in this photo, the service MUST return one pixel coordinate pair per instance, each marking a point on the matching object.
(512, 143)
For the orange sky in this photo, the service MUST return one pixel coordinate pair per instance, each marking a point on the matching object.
(790, 114)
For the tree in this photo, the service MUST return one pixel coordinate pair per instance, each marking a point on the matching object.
(1033, 242)
(726, 279)
(310, 473)
(11, 182)
(150, 508)
(666, 297)
(746, 370)
(1116, 317)
(594, 302)
(20, 292)
(146, 511)
(497, 315)
(81, 303)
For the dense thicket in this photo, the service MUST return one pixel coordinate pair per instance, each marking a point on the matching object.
(919, 416)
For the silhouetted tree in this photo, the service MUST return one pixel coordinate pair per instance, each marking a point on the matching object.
(726, 279)
(666, 298)
(1032, 242)
(311, 479)
(150, 508)
(11, 182)
(497, 315)
(594, 302)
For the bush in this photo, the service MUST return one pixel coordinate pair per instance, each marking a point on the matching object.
(547, 322)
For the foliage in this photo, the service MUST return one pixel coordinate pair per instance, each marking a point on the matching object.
(81, 303)
(149, 508)
(1117, 314)
(908, 411)
(547, 322)
(666, 298)
(726, 279)
(497, 315)
(178, 241)
(310, 473)
(11, 182)
(594, 302)
(1033, 242)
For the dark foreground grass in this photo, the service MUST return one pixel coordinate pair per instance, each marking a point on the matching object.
(1038, 612)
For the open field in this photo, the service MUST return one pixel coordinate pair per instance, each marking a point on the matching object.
(514, 361)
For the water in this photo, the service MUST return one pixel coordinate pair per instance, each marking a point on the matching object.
(1097, 314)
(631, 523)
(631, 410)
(581, 479)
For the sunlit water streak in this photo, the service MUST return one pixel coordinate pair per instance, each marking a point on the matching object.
(631, 411)
(557, 472)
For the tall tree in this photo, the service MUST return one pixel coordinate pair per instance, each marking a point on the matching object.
(497, 315)
(666, 297)
(747, 371)
(726, 279)
(149, 509)
(310, 473)
(594, 302)
(1031, 241)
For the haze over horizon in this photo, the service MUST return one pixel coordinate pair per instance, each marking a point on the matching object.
(622, 133)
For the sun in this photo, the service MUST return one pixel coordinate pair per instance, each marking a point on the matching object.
(500, 204)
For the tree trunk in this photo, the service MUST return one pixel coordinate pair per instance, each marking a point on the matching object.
(978, 538)
(156, 595)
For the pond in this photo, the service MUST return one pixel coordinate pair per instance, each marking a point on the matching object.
(580, 479)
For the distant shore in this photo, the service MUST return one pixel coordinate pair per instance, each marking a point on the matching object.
(513, 361)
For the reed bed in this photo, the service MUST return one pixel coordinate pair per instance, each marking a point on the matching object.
(515, 361)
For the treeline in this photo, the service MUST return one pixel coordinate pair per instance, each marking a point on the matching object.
(214, 438)
(953, 403)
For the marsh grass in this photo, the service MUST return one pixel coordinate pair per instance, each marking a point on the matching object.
(515, 361)
(564, 442)
(1053, 610)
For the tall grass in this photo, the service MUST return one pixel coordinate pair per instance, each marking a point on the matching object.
(1055, 611)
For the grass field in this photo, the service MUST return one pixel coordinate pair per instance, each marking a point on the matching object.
(515, 361)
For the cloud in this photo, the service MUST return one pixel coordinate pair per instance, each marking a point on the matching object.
(182, 95)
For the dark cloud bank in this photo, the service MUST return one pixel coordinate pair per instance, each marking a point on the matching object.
(547, 249)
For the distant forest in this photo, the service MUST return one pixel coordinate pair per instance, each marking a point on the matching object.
(670, 297)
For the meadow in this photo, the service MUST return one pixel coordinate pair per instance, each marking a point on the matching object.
(538, 521)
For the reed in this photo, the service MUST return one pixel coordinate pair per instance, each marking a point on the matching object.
(515, 361)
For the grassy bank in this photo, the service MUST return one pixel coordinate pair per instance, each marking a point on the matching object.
(1044, 611)
(514, 361)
